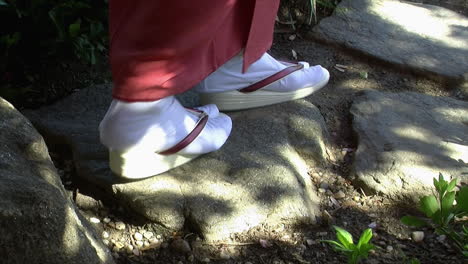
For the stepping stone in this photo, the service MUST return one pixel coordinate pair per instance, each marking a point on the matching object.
(425, 38)
(38, 222)
(260, 176)
(407, 139)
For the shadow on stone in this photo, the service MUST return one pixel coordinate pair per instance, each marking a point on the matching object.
(260, 175)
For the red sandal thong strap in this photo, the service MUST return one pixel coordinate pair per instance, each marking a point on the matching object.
(191, 136)
(281, 74)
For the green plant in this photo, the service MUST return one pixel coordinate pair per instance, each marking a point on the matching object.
(414, 261)
(36, 33)
(345, 244)
(441, 210)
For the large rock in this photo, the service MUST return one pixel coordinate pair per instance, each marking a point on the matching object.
(38, 224)
(259, 177)
(426, 38)
(406, 139)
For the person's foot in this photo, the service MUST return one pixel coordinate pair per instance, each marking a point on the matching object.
(267, 81)
(139, 135)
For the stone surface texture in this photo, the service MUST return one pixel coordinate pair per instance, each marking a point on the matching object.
(406, 139)
(426, 38)
(260, 176)
(38, 223)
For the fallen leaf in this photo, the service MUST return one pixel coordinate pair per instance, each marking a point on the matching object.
(339, 69)
(294, 54)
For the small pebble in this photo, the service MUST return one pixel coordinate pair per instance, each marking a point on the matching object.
(106, 242)
(372, 225)
(139, 243)
(136, 252)
(148, 235)
(118, 245)
(339, 195)
(206, 260)
(146, 244)
(389, 248)
(105, 234)
(310, 242)
(181, 245)
(417, 236)
(138, 236)
(106, 220)
(441, 238)
(94, 220)
(119, 225)
(324, 185)
(129, 248)
(321, 190)
(158, 236)
(357, 198)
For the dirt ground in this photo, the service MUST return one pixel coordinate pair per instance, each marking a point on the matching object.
(354, 210)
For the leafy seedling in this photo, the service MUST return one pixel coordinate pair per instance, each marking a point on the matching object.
(345, 244)
(441, 210)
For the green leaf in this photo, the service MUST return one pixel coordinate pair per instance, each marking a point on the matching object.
(429, 205)
(462, 199)
(447, 203)
(451, 185)
(344, 237)
(410, 220)
(365, 238)
(436, 183)
(442, 184)
(337, 245)
(74, 29)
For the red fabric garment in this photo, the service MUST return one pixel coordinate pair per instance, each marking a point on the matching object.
(160, 48)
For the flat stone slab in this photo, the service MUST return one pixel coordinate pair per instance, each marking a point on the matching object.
(260, 176)
(423, 37)
(407, 139)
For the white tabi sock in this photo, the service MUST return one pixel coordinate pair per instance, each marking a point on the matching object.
(159, 125)
(230, 77)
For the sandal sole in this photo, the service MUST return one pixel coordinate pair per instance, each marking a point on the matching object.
(138, 165)
(235, 100)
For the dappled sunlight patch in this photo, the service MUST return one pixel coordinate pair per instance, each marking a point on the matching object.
(422, 20)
